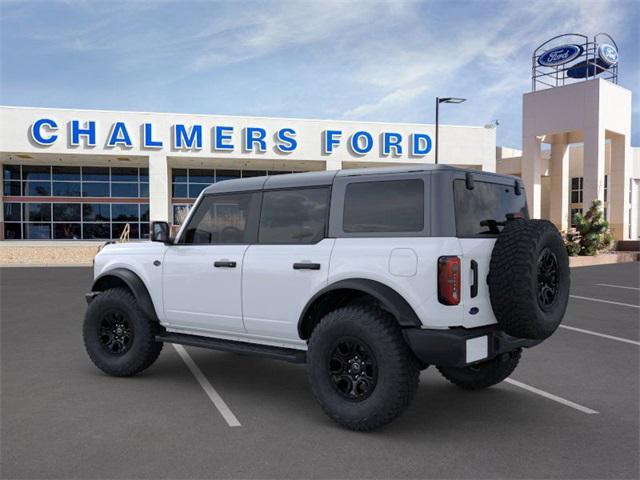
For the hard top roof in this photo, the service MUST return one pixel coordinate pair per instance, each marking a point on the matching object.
(313, 179)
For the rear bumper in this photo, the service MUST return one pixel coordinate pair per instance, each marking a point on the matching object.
(459, 347)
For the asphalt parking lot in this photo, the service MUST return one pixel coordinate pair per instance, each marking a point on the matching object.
(571, 411)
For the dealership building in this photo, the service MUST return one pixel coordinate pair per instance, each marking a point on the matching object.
(92, 175)
(86, 174)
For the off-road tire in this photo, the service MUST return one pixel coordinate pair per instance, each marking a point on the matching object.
(483, 375)
(397, 369)
(143, 349)
(514, 278)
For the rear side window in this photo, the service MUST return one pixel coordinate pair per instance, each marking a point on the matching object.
(384, 206)
(223, 219)
(483, 210)
(295, 216)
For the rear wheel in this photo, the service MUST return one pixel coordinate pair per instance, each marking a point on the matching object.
(360, 369)
(118, 336)
(485, 374)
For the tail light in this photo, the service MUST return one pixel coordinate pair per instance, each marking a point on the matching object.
(449, 280)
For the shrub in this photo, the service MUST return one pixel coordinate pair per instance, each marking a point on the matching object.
(591, 233)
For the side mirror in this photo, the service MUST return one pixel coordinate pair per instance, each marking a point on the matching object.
(160, 232)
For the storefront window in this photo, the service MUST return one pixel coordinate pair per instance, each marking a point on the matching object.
(63, 214)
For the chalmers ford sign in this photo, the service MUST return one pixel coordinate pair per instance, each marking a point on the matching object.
(221, 138)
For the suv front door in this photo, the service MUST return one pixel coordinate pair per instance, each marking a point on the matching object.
(202, 272)
(289, 263)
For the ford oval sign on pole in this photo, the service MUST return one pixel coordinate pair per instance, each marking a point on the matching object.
(560, 55)
(608, 54)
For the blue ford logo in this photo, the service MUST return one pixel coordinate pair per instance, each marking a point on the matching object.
(608, 54)
(560, 55)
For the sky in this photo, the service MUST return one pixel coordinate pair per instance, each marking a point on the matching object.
(367, 60)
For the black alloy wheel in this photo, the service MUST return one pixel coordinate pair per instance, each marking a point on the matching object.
(116, 332)
(353, 369)
(547, 278)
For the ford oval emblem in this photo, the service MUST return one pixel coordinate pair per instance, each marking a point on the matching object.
(608, 54)
(560, 55)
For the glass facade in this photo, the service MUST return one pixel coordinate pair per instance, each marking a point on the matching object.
(77, 202)
(187, 183)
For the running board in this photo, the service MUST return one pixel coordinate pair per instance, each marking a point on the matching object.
(243, 348)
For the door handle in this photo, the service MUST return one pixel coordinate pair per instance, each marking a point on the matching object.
(306, 266)
(474, 271)
(224, 264)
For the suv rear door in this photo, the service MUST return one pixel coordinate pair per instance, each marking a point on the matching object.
(289, 263)
(481, 208)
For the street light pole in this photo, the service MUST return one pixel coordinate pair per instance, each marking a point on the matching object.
(438, 102)
(437, 125)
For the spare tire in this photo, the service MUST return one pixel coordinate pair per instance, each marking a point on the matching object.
(529, 278)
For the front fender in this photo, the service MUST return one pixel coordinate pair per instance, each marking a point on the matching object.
(117, 276)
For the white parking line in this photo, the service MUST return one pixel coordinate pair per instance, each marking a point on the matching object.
(211, 392)
(551, 396)
(610, 337)
(605, 301)
(616, 286)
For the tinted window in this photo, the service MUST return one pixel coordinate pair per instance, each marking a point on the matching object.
(66, 173)
(37, 189)
(294, 216)
(33, 172)
(483, 210)
(12, 212)
(11, 172)
(95, 189)
(96, 212)
(223, 219)
(66, 189)
(124, 212)
(124, 190)
(12, 189)
(66, 212)
(387, 206)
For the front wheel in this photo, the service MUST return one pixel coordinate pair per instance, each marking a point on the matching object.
(118, 336)
(485, 374)
(360, 368)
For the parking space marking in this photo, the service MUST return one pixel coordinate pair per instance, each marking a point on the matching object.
(211, 392)
(610, 337)
(605, 301)
(553, 397)
(616, 286)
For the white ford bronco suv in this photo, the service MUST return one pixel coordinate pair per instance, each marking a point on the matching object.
(367, 275)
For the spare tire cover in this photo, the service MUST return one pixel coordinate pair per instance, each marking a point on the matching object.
(529, 278)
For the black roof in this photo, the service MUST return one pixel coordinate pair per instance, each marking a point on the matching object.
(313, 179)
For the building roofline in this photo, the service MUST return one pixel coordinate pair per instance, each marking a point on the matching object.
(18, 107)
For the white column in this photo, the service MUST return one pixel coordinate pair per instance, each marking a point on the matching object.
(159, 187)
(531, 171)
(618, 188)
(333, 164)
(559, 201)
(593, 166)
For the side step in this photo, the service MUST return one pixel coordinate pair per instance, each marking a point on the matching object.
(243, 348)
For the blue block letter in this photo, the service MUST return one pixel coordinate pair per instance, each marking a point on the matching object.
(391, 140)
(355, 142)
(286, 140)
(255, 135)
(184, 139)
(330, 140)
(89, 131)
(421, 144)
(223, 135)
(36, 131)
(119, 136)
(147, 138)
